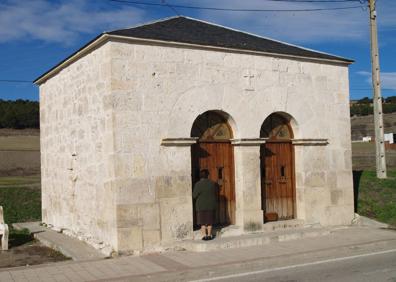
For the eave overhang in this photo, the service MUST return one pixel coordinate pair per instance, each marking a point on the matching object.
(104, 37)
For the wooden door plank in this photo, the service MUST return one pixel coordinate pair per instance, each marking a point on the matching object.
(284, 163)
(280, 195)
(225, 183)
(212, 156)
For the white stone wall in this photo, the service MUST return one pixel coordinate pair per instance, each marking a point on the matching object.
(113, 107)
(161, 90)
(76, 123)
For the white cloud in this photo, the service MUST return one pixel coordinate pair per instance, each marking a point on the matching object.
(386, 14)
(388, 79)
(61, 22)
(364, 73)
(300, 27)
(64, 21)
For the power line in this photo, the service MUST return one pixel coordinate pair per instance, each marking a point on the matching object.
(15, 81)
(243, 10)
(170, 7)
(370, 89)
(319, 1)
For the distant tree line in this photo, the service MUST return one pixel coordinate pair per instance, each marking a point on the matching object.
(364, 106)
(19, 114)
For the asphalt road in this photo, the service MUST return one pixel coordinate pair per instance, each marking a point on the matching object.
(375, 261)
(377, 266)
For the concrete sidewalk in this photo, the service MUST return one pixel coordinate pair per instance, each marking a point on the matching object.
(155, 267)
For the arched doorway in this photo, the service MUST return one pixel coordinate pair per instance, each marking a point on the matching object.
(214, 152)
(277, 169)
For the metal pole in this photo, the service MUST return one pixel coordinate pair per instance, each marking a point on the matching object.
(377, 100)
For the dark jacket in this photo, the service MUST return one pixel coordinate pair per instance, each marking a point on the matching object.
(205, 194)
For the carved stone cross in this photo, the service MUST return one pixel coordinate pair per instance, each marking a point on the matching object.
(248, 76)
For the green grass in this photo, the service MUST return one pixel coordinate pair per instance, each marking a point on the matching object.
(377, 197)
(20, 203)
(19, 180)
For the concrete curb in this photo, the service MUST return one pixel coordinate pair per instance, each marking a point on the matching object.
(70, 247)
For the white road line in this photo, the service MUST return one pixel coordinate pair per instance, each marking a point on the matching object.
(293, 266)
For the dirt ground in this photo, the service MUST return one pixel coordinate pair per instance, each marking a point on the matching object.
(26, 251)
(29, 254)
(19, 152)
(364, 125)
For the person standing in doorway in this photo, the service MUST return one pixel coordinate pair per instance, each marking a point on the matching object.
(204, 192)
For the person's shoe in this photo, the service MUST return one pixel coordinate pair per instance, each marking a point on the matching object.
(205, 238)
(210, 237)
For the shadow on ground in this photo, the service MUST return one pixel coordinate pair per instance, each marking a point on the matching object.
(25, 250)
(18, 238)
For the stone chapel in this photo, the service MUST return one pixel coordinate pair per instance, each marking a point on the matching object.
(129, 119)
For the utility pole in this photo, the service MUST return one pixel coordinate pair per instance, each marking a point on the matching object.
(377, 99)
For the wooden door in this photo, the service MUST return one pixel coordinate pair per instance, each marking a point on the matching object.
(217, 157)
(277, 186)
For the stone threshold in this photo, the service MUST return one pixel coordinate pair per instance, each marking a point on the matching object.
(233, 230)
(272, 232)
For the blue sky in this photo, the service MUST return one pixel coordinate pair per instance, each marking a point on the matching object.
(35, 35)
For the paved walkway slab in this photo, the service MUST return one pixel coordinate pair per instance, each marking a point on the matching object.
(68, 246)
(156, 267)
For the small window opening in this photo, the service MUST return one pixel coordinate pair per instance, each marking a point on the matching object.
(220, 172)
(282, 171)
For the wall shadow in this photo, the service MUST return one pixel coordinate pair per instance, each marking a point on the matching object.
(19, 237)
(357, 174)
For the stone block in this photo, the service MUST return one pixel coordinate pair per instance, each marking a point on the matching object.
(315, 179)
(130, 239)
(299, 178)
(139, 166)
(337, 197)
(344, 178)
(300, 203)
(172, 186)
(338, 215)
(252, 220)
(331, 179)
(151, 216)
(128, 216)
(126, 122)
(316, 159)
(348, 195)
(348, 159)
(134, 191)
(122, 50)
(151, 238)
(123, 164)
(176, 218)
(316, 200)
